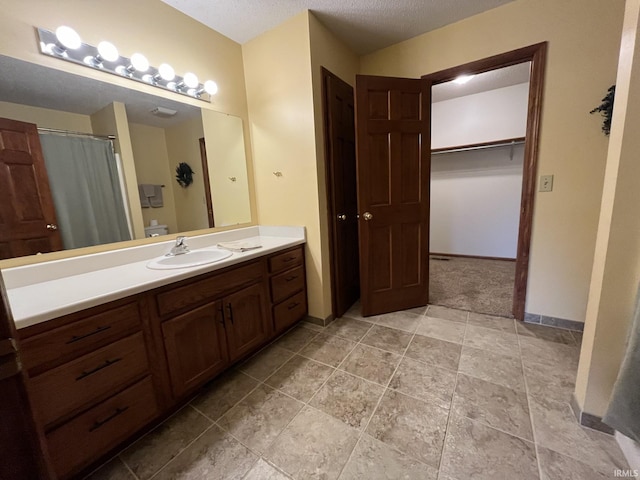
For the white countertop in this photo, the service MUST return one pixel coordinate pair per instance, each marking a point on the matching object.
(67, 286)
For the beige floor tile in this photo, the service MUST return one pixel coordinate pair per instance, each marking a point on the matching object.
(435, 352)
(314, 445)
(300, 377)
(497, 406)
(264, 471)
(112, 470)
(348, 328)
(401, 320)
(260, 417)
(490, 321)
(492, 340)
(550, 334)
(371, 363)
(374, 460)
(556, 382)
(474, 450)
(426, 382)
(535, 350)
(493, 367)
(327, 349)
(447, 330)
(214, 456)
(296, 338)
(348, 398)
(446, 313)
(554, 466)
(577, 336)
(153, 451)
(223, 393)
(386, 338)
(412, 426)
(609, 446)
(417, 310)
(265, 362)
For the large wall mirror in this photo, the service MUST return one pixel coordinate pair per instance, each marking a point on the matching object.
(111, 156)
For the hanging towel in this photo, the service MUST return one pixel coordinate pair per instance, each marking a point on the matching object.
(144, 199)
(623, 412)
(156, 200)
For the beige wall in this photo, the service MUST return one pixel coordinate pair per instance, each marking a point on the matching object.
(583, 38)
(152, 166)
(47, 118)
(616, 267)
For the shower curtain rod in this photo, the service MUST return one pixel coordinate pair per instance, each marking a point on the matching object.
(81, 134)
(468, 148)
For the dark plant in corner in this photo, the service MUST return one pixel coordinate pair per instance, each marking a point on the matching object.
(184, 174)
(606, 109)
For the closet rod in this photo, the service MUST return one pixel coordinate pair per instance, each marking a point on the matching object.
(509, 143)
(81, 134)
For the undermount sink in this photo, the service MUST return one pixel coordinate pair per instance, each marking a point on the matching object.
(194, 258)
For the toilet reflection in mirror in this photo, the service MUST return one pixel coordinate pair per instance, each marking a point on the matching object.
(104, 205)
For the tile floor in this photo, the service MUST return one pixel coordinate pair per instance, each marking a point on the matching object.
(422, 394)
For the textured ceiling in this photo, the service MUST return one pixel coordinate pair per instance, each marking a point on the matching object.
(364, 25)
(25, 83)
(500, 78)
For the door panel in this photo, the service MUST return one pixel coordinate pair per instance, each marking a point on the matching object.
(393, 165)
(246, 320)
(29, 208)
(342, 192)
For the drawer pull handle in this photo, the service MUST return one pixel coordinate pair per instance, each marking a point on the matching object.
(230, 312)
(99, 423)
(77, 338)
(289, 259)
(293, 305)
(107, 363)
(292, 277)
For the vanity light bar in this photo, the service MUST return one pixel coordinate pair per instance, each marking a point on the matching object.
(66, 44)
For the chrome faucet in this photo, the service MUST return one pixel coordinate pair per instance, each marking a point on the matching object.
(179, 248)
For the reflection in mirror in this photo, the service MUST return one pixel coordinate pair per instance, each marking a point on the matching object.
(123, 187)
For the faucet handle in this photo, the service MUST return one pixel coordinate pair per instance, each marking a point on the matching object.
(180, 241)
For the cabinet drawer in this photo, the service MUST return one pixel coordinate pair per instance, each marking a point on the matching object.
(286, 260)
(287, 283)
(71, 341)
(196, 292)
(82, 440)
(290, 311)
(89, 378)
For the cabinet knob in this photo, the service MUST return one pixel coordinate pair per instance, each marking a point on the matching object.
(52, 226)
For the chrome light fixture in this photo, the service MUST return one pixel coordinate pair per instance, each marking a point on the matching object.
(65, 43)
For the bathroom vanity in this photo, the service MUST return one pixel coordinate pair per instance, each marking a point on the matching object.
(109, 352)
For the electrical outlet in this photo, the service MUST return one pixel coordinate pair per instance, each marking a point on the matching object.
(546, 183)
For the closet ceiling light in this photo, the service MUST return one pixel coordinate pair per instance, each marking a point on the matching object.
(462, 79)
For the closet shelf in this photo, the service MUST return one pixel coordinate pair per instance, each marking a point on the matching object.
(509, 142)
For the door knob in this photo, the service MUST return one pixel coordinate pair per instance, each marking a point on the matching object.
(342, 216)
(51, 226)
(367, 216)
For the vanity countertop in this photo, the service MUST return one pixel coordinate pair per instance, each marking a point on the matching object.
(66, 286)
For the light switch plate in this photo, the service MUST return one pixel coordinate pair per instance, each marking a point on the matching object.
(546, 183)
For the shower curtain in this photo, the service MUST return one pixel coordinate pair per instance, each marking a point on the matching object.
(84, 181)
(623, 412)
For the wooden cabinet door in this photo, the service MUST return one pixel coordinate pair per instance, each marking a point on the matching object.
(195, 346)
(246, 320)
(393, 165)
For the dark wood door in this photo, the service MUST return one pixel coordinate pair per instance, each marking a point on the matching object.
(27, 215)
(393, 162)
(24, 454)
(246, 320)
(195, 346)
(341, 191)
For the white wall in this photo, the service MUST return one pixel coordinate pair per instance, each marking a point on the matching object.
(483, 117)
(475, 195)
(475, 202)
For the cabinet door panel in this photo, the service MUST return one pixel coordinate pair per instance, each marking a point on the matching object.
(195, 346)
(247, 323)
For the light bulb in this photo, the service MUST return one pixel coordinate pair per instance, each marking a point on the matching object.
(167, 72)
(139, 62)
(191, 80)
(108, 51)
(68, 37)
(462, 79)
(211, 87)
